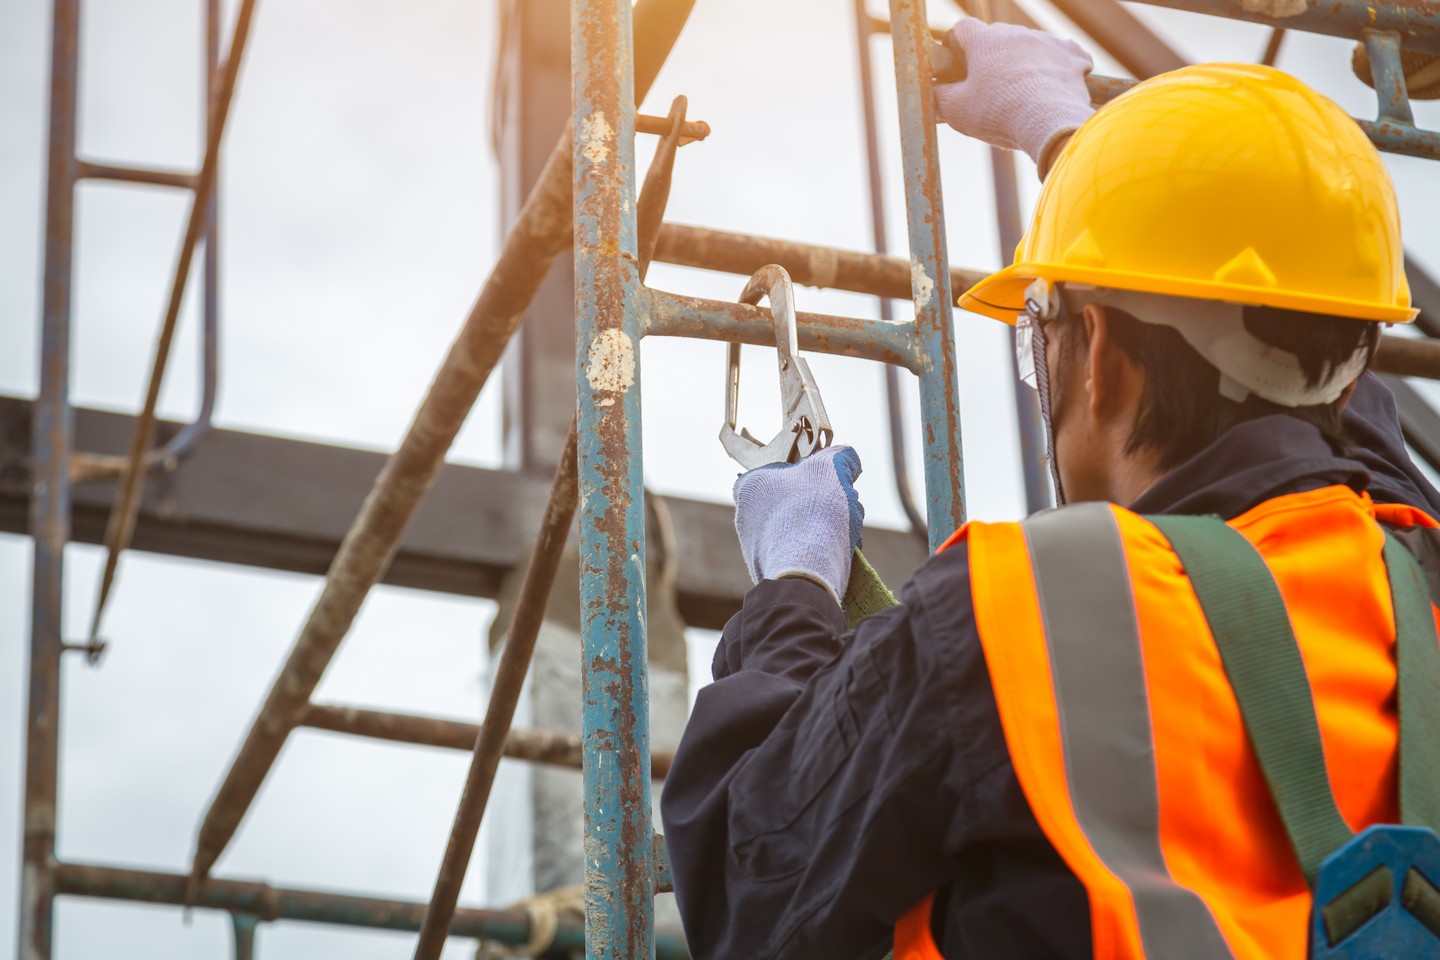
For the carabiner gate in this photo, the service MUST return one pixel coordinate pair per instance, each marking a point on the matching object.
(806, 427)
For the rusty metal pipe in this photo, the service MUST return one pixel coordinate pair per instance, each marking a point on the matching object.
(655, 194)
(541, 232)
(94, 170)
(1408, 357)
(690, 130)
(264, 902)
(370, 544)
(493, 736)
(244, 926)
(940, 431)
(51, 443)
(674, 315)
(1272, 47)
(808, 264)
(536, 746)
(1122, 35)
(127, 493)
(881, 26)
(615, 708)
(1031, 427)
(85, 467)
(267, 903)
(899, 464)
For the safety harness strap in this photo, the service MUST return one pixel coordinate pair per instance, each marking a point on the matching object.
(1262, 660)
(1417, 655)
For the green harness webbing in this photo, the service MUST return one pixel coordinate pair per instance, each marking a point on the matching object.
(1262, 661)
(1418, 662)
(866, 593)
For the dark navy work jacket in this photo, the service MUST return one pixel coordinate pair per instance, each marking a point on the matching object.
(827, 783)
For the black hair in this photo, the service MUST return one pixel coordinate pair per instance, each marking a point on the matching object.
(1181, 411)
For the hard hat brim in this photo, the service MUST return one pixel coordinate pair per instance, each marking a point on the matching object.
(1001, 295)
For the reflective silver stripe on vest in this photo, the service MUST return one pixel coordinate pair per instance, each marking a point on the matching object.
(1088, 611)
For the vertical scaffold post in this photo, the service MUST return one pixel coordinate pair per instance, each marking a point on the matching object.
(50, 500)
(619, 906)
(1027, 405)
(929, 271)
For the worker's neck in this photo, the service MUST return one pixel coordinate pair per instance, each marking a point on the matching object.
(1133, 476)
(1107, 471)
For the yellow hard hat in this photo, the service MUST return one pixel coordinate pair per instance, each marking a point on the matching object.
(1231, 182)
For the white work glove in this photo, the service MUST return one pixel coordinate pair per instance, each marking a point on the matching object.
(801, 519)
(1023, 89)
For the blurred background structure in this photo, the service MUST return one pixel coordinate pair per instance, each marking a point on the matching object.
(340, 176)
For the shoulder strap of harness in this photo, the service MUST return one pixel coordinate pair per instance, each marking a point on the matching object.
(1262, 660)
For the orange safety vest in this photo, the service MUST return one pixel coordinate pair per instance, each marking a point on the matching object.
(1126, 736)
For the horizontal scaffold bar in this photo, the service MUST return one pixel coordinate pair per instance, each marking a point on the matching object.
(315, 906)
(1417, 21)
(808, 264)
(537, 746)
(1391, 136)
(674, 315)
(93, 170)
(1408, 357)
(690, 130)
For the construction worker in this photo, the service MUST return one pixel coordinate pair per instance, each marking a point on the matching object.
(1062, 742)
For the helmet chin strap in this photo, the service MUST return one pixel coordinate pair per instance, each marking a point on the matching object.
(1044, 303)
(1042, 386)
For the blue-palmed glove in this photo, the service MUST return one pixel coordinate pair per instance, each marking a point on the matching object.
(801, 519)
(1023, 89)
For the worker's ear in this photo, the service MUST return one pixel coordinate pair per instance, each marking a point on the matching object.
(1112, 382)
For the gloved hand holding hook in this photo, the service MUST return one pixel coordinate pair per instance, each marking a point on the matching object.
(796, 510)
(806, 428)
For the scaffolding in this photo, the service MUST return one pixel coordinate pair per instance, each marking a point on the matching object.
(585, 200)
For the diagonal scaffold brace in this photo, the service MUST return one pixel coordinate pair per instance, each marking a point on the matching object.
(543, 229)
(535, 591)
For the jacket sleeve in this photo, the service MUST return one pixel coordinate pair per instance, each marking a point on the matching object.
(823, 783)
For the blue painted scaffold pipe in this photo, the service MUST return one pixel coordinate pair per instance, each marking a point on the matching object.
(618, 849)
(929, 272)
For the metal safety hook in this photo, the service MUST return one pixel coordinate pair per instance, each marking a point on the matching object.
(805, 428)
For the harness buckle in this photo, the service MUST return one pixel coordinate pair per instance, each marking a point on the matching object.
(1378, 897)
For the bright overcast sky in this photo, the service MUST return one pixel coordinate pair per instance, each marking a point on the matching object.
(360, 217)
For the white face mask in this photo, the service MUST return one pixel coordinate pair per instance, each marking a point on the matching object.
(1215, 329)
